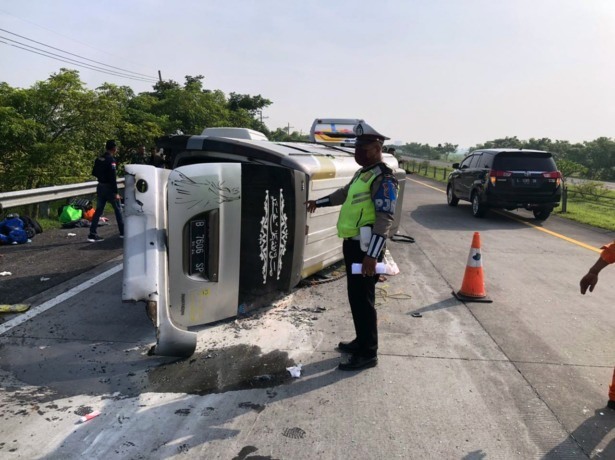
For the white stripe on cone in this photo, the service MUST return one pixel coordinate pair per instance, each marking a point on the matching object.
(475, 259)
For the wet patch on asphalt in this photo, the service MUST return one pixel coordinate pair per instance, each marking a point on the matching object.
(238, 367)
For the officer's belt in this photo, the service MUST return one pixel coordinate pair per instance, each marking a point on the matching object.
(356, 238)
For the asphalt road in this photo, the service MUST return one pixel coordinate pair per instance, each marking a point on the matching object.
(523, 377)
(53, 257)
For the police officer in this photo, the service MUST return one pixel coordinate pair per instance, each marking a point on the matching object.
(105, 171)
(368, 208)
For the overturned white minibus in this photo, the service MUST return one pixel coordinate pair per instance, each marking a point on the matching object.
(227, 228)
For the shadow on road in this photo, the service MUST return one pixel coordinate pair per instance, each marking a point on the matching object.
(590, 436)
(447, 303)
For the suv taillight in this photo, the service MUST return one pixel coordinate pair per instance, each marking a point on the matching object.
(494, 174)
(553, 175)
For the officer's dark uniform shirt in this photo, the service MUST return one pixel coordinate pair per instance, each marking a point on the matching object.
(105, 170)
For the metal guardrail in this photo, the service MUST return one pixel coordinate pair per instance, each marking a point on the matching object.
(45, 194)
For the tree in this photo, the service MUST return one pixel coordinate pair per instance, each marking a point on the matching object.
(506, 143)
(446, 150)
(252, 104)
(281, 135)
(53, 127)
(600, 154)
(569, 168)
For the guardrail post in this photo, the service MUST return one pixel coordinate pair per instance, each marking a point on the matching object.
(434, 172)
(43, 209)
(564, 199)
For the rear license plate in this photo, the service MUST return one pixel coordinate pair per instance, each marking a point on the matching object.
(526, 182)
(198, 248)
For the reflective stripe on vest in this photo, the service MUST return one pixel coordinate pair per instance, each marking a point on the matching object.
(358, 210)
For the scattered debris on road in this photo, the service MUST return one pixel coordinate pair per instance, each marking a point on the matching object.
(295, 371)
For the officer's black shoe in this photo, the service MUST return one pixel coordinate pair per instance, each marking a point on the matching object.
(348, 347)
(358, 362)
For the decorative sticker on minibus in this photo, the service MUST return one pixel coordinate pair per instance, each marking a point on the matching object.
(204, 194)
(273, 235)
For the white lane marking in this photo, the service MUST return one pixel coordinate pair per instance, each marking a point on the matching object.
(5, 327)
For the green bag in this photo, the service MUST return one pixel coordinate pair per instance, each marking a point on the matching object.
(70, 213)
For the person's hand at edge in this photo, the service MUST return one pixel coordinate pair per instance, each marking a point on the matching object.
(311, 206)
(369, 266)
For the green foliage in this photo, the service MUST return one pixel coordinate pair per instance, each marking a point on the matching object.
(600, 158)
(591, 204)
(50, 130)
(590, 190)
(570, 168)
(281, 135)
(252, 104)
(591, 159)
(439, 152)
(507, 142)
(50, 133)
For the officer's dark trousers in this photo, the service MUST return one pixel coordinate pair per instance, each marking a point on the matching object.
(105, 193)
(362, 297)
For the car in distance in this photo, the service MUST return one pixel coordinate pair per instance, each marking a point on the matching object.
(508, 179)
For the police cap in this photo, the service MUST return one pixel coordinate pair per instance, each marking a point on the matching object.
(366, 134)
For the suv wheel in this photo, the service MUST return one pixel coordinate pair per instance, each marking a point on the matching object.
(478, 208)
(542, 214)
(451, 199)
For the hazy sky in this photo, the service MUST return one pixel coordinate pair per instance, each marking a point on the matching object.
(429, 71)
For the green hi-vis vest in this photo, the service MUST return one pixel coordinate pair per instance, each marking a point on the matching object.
(358, 210)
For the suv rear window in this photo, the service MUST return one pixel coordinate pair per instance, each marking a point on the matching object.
(517, 161)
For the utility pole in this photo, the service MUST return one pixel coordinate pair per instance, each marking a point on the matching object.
(159, 77)
(260, 113)
(288, 128)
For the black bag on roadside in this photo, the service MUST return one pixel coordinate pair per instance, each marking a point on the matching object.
(81, 203)
(31, 226)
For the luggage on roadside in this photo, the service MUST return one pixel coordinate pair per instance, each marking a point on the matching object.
(12, 230)
(69, 213)
(31, 226)
(77, 213)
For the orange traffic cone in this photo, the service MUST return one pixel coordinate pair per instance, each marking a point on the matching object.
(611, 402)
(473, 286)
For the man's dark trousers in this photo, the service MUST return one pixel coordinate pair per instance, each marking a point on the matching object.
(105, 193)
(362, 298)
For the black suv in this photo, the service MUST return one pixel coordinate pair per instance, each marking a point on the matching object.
(506, 178)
